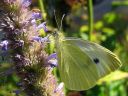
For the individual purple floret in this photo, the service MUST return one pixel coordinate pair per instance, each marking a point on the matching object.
(20, 43)
(42, 25)
(33, 22)
(26, 3)
(36, 15)
(4, 45)
(52, 56)
(17, 92)
(52, 60)
(39, 39)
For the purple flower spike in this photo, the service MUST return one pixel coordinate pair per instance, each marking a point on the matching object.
(59, 88)
(42, 25)
(26, 3)
(4, 45)
(36, 15)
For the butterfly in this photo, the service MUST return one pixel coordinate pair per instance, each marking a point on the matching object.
(82, 63)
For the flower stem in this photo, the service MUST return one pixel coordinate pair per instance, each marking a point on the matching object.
(90, 18)
(41, 5)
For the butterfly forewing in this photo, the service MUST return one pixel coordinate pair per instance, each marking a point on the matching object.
(75, 67)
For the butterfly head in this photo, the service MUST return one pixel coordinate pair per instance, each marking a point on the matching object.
(57, 33)
(58, 36)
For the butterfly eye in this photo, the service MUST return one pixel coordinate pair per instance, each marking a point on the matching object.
(96, 60)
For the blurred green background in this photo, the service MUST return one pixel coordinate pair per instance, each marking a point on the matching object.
(110, 30)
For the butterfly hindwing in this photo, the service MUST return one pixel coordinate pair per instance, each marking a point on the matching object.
(82, 63)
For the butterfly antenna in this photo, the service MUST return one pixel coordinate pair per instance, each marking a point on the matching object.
(56, 18)
(62, 21)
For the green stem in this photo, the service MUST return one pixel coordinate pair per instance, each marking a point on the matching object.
(41, 5)
(90, 18)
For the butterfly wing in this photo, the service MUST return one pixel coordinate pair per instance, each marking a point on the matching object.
(82, 63)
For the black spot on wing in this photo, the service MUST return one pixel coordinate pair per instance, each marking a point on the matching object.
(96, 60)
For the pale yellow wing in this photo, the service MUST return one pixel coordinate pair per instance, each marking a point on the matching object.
(82, 63)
